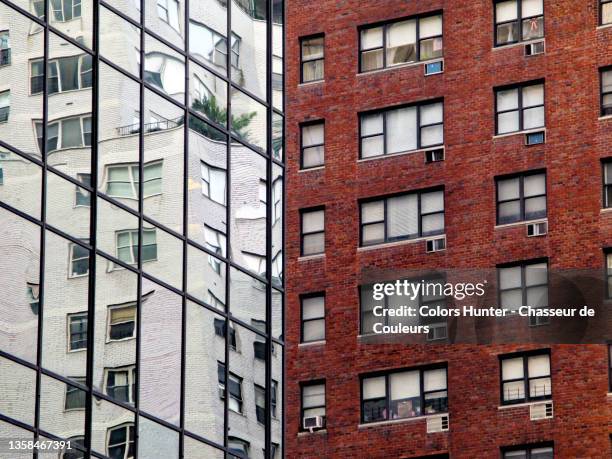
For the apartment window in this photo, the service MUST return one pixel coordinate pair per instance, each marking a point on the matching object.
(75, 398)
(66, 10)
(65, 74)
(402, 129)
(120, 442)
(609, 272)
(313, 317)
(220, 331)
(121, 322)
(5, 48)
(259, 343)
(606, 12)
(74, 132)
(79, 260)
(215, 242)
(524, 284)
(405, 216)
(211, 46)
(313, 231)
(83, 197)
(400, 42)
(313, 58)
(168, 11)
(123, 180)
(544, 451)
(5, 105)
(313, 401)
(526, 377)
(33, 296)
(75, 453)
(519, 108)
(606, 92)
(235, 388)
(120, 383)
(127, 245)
(313, 144)
(214, 183)
(607, 183)
(518, 20)
(238, 447)
(403, 394)
(260, 404)
(161, 70)
(430, 296)
(77, 331)
(521, 197)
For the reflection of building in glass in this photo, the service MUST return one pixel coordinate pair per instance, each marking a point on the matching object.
(141, 205)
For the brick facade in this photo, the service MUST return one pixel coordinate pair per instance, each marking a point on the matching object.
(577, 138)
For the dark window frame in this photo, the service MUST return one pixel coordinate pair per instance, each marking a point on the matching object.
(130, 371)
(130, 434)
(607, 275)
(385, 25)
(239, 398)
(420, 215)
(71, 316)
(526, 379)
(601, 4)
(220, 324)
(521, 176)
(5, 53)
(314, 382)
(384, 111)
(71, 390)
(303, 321)
(519, 19)
(520, 109)
(302, 147)
(302, 234)
(302, 61)
(603, 110)
(527, 447)
(606, 183)
(422, 393)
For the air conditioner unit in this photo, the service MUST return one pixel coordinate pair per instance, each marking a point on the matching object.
(539, 411)
(313, 422)
(437, 424)
(435, 244)
(537, 229)
(537, 47)
(535, 138)
(221, 392)
(437, 331)
(432, 156)
(432, 68)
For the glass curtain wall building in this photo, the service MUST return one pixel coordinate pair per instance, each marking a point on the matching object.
(141, 227)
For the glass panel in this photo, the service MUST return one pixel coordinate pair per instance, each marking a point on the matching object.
(113, 232)
(533, 95)
(514, 390)
(434, 380)
(61, 211)
(167, 19)
(533, 28)
(20, 181)
(533, 118)
(371, 60)
(372, 38)
(198, 450)
(402, 216)
(401, 42)
(205, 277)
(431, 114)
(535, 185)
(247, 297)
(18, 387)
(112, 429)
(538, 365)
(511, 299)
(508, 189)
(371, 124)
(313, 221)
(401, 130)
(532, 8)
(506, 11)
(405, 394)
(53, 395)
(374, 387)
(509, 212)
(432, 202)
(155, 440)
(535, 208)
(313, 307)
(507, 99)
(430, 26)
(507, 122)
(208, 95)
(372, 211)
(162, 255)
(510, 277)
(512, 368)
(164, 69)
(248, 121)
(536, 274)
(537, 297)
(120, 40)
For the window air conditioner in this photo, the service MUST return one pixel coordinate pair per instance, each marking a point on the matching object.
(432, 68)
(435, 244)
(537, 47)
(313, 422)
(437, 424)
(539, 411)
(534, 138)
(537, 229)
(432, 156)
(437, 331)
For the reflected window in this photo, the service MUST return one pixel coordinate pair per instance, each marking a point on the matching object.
(127, 245)
(215, 302)
(5, 105)
(73, 132)
(120, 383)
(74, 453)
(313, 317)
(519, 107)
(79, 260)
(215, 242)
(165, 72)
(277, 267)
(526, 377)
(77, 331)
(220, 331)
(120, 442)
(65, 74)
(260, 404)
(235, 388)
(313, 144)
(66, 10)
(238, 447)
(5, 48)
(214, 183)
(75, 398)
(518, 20)
(273, 398)
(83, 197)
(121, 322)
(122, 181)
(212, 46)
(254, 8)
(33, 295)
(168, 11)
(521, 197)
(255, 262)
(277, 195)
(259, 343)
(312, 55)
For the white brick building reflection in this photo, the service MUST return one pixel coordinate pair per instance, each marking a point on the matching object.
(66, 275)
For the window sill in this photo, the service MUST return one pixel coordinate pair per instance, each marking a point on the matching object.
(519, 405)
(527, 131)
(316, 432)
(520, 43)
(317, 168)
(77, 276)
(401, 153)
(397, 243)
(399, 421)
(311, 257)
(72, 351)
(606, 210)
(310, 83)
(108, 341)
(312, 344)
(401, 66)
(521, 223)
(606, 117)
(609, 395)
(604, 26)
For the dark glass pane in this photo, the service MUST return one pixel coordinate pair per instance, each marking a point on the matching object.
(123, 330)
(374, 410)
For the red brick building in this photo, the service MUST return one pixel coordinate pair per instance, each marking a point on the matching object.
(519, 111)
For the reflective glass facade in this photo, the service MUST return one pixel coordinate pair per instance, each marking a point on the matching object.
(141, 226)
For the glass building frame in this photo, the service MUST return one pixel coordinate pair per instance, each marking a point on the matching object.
(134, 83)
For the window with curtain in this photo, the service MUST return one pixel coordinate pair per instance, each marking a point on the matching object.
(122, 180)
(606, 92)
(402, 129)
(120, 383)
(313, 144)
(605, 13)
(312, 58)
(525, 377)
(121, 322)
(524, 284)
(127, 245)
(405, 216)
(400, 42)
(313, 317)
(404, 394)
(312, 232)
(214, 183)
(518, 20)
(519, 108)
(521, 197)
(313, 401)
(74, 132)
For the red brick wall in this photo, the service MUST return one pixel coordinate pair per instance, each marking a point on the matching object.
(576, 140)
